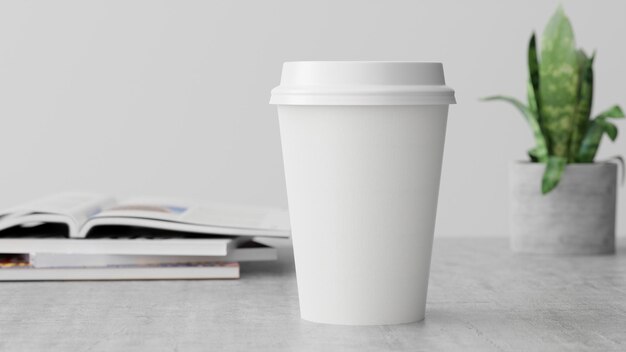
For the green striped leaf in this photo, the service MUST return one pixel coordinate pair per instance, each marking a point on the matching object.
(540, 144)
(590, 142)
(610, 129)
(593, 136)
(614, 112)
(552, 174)
(533, 85)
(583, 108)
(538, 155)
(532, 101)
(558, 89)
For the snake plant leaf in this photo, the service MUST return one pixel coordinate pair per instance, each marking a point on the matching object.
(532, 156)
(613, 112)
(589, 146)
(541, 150)
(590, 142)
(532, 100)
(538, 155)
(533, 85)
(610, 129)
(558, 89)
(594, 131)
(583, 108)
(552, 174)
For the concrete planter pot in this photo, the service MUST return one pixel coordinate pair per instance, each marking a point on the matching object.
(578, 217)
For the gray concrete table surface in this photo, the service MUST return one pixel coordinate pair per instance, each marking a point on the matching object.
(481, 298)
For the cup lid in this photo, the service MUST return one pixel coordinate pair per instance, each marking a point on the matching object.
(362, 83)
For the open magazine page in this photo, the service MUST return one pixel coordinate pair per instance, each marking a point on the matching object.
(194, 217)
(72, 209)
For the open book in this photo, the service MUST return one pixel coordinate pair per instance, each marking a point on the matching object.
(94, 237)
(85, 214)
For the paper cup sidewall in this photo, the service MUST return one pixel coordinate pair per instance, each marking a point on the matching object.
(362, 186)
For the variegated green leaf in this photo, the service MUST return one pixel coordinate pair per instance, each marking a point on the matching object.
(610, 129)
(538, 155)
(590, 142)
(540, 144)
(533, 82)
(552, 174)
(613, 112)
(532, 100)
(593, 135)
(558, 89)
(583, 108)
(560, 95)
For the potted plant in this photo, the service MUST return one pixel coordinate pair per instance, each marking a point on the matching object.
(561, 200)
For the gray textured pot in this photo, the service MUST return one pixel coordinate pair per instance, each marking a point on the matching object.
(577, 217)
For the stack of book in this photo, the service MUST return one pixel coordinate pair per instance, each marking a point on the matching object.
(94, 237)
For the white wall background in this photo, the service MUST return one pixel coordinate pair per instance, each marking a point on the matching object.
(171, 97)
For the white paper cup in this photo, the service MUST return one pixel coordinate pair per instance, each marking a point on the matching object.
(362, 147)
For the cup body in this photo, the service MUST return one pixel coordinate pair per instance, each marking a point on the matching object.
(362, 186)
(362, 147)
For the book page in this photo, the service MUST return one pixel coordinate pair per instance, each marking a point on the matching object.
(75, 207)
(206, 214)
